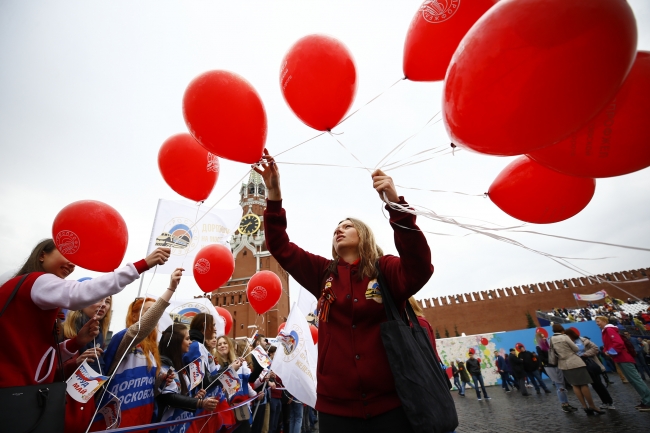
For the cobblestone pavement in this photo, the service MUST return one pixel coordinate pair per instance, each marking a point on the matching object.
(541, 413)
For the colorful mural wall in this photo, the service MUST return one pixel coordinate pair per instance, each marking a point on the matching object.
(484, 345)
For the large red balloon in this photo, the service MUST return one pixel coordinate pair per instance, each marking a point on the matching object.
(226, 115)
(314, 333)
(615, 142)
(187, 167)
(533, 193)
(531, 72)
(213, 266)
(281, 327)
(91, 234)
(227, 317)
(264, 290)
(318, 79)
(434, 35)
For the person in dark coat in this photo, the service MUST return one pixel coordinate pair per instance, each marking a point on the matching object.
(501, 368)
(518, 372)
(531, 367)
(474, 368)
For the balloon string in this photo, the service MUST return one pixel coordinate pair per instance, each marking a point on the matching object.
(441, 190)
(401, 145)
(352, 154)
(479, 230)
(355, 111)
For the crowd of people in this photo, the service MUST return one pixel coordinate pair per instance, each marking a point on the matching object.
(568, 360)
(152, 378)
(612, 308)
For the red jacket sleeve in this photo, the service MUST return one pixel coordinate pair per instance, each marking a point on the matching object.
(306, 268)
(409, 272)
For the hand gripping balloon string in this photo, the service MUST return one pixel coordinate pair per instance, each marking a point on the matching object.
(484, 231)
(355, 111)
(108, 382)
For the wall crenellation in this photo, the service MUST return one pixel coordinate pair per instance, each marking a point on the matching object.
(468, 312)
(534, 289)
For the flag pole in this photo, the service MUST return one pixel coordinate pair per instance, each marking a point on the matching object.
(151, 237)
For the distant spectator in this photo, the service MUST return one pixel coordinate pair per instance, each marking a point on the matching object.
(474, 368)
(615, 347)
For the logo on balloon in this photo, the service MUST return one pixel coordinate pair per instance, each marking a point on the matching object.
(213, 163)
(258, 293)
(185, 313)
(438, 11)
(67, 242)
(202, 266)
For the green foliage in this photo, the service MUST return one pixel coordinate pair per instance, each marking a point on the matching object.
(531, 322)
(456, 331)
(437, 333)
(446, 333)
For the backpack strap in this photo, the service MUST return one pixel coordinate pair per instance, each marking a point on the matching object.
(11, 297)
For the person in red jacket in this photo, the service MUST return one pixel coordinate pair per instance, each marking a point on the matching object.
(36, 304)
(615, 347)
(355, 385)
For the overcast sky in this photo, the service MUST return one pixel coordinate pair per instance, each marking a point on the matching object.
(90, 90)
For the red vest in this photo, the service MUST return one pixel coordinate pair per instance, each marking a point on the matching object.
(27, 338)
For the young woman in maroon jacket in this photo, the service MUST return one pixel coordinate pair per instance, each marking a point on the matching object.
(356, 389)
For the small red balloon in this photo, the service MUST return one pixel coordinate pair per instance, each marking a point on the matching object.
(187, 167)
(450, 372)
(281, 327)
(314, 333)
(543, 331)
(533, 193)
(264, 290)
(471, 350)
(531, 72)
(318, 79)
(227, 317)
(575, 330)
(91, 234)
(484, 341)
(616, 141)
(213, 266)
(434, 35)
(225, 114)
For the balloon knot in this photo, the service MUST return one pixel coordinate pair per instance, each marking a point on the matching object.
(453, 145)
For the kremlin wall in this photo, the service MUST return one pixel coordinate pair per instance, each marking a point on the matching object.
(505, 309)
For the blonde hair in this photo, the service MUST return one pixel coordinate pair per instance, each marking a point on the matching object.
(369, 251)
(150, 344)
(70, 325)
(416, 307)
(231, 352)
(243, 346)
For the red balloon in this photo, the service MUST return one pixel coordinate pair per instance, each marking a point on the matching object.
(187, 167)
(543, 331)
(281, 327)
(575, 330)
(450, 372)
(471, 350)
(531, 72)
(213, 266)
(434, 35)
(615, 142)
(484, 341)
(533, 193)
(91, 234)
(227, 317)
(314, 333)
(225, 114)
(264, 290)
(318, 80)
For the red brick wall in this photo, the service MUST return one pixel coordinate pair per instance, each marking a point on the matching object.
(505, 309)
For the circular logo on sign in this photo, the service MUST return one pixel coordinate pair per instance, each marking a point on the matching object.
(258, 293)
(292, 342)
(67, 242)
(202, 266)
(438, 11)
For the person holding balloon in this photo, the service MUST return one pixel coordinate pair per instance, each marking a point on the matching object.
(356, 389)
(37, 291)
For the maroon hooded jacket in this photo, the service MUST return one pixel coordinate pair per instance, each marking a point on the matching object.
(354, 378)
